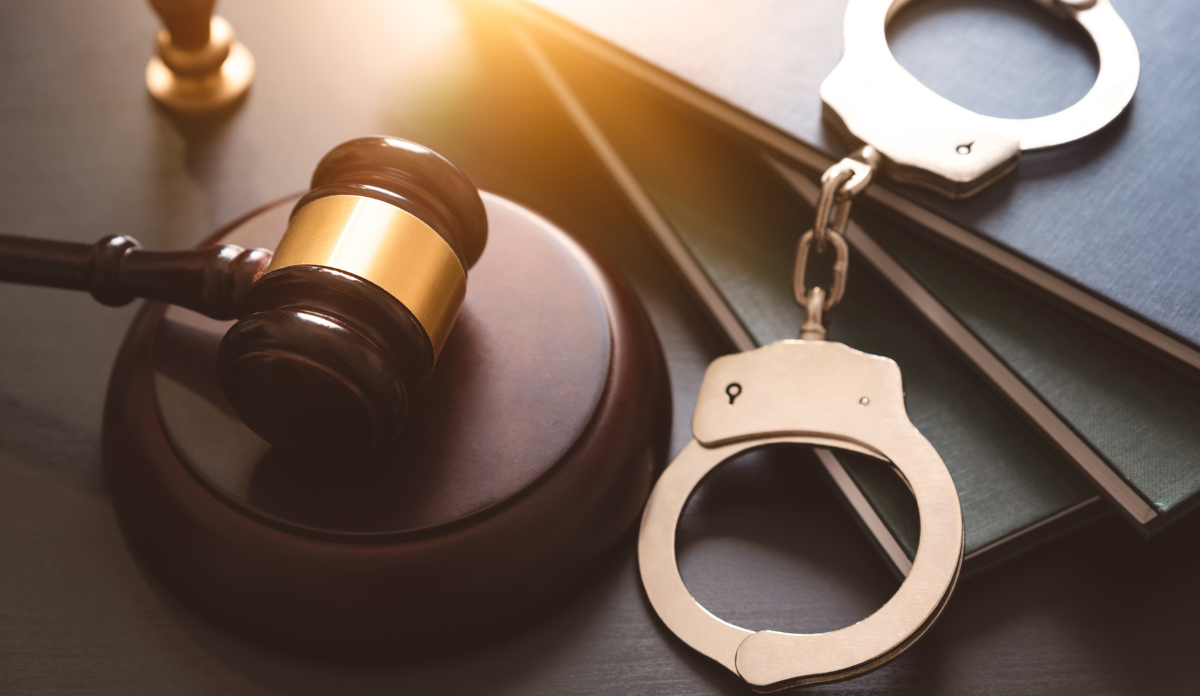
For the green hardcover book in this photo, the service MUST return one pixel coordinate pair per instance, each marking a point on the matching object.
(731, 223)
(1136, 413)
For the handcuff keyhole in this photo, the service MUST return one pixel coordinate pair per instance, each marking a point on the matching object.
(964, 149)
(733, 391)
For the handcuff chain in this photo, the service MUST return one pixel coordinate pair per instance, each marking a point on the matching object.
(839, 185)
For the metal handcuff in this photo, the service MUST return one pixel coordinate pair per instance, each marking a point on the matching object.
(826, 394)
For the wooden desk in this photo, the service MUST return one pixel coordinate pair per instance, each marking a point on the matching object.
(84, 153)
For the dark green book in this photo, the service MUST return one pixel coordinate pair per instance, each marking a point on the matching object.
(1127, 419)
(1139, 416)
(731, 224)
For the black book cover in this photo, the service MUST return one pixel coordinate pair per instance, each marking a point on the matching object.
(1106, 225)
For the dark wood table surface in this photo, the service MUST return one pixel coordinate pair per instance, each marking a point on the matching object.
(84, 153)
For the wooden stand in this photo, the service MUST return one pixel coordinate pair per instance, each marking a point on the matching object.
(530, 450)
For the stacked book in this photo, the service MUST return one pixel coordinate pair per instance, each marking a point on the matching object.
(1047, 328)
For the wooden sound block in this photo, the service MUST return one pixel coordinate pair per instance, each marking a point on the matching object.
(529, 451)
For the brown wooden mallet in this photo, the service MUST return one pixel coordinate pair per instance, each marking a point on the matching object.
(340, 324)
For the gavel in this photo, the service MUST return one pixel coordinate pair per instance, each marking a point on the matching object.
(340, 324)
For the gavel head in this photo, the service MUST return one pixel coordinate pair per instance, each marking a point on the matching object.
(350, 315)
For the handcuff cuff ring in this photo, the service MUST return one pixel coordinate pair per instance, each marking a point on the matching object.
(861, 409)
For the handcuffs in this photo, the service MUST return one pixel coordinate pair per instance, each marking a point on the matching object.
(827, 394)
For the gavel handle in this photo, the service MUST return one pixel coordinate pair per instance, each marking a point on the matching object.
(115, 270)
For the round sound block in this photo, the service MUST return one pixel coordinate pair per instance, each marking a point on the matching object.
(528, 452)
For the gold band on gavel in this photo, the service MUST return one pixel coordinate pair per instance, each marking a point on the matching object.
(385, 245)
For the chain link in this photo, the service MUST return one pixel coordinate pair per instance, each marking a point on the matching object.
(841, 263)
(832, 205)
(839, 185)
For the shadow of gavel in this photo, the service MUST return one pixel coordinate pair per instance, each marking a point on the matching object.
(340, 324)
